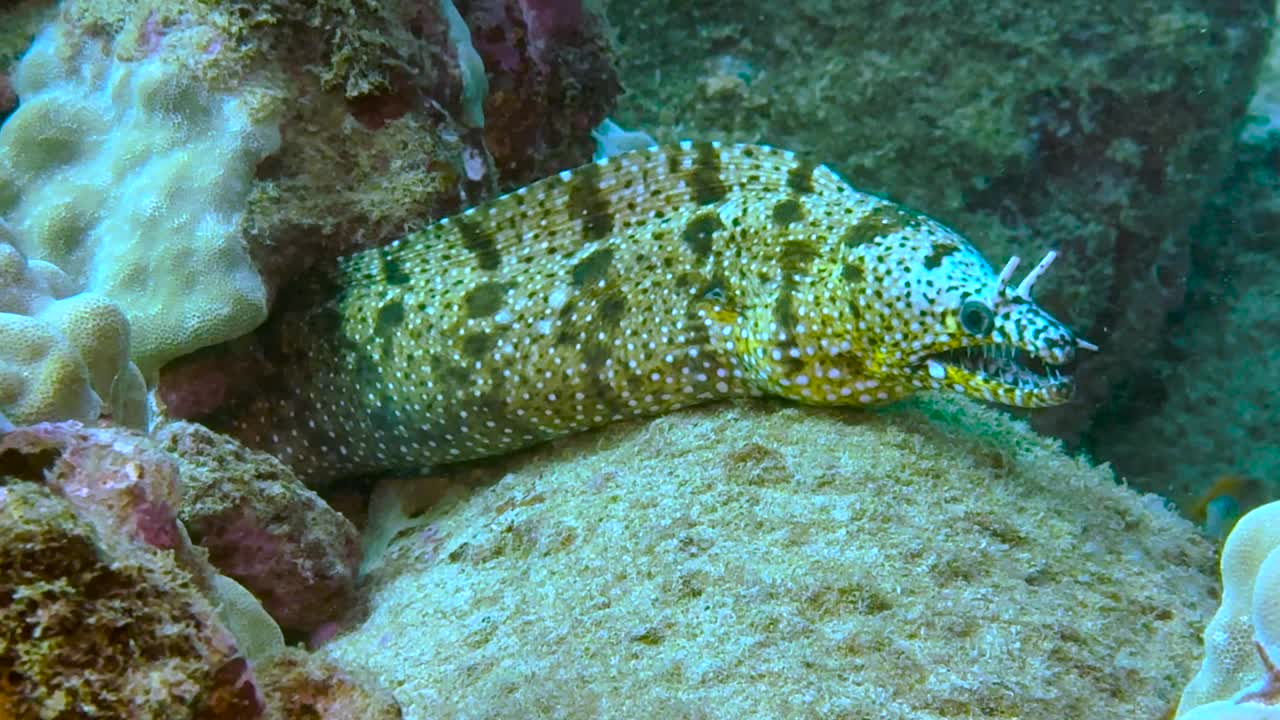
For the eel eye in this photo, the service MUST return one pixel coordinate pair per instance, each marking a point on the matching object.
(976, 318)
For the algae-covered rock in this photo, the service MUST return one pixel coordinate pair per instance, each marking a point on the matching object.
(101, 606)
(1098, 128)
(935, 561)
(263, 527)
(1209, 391)
(108, 611)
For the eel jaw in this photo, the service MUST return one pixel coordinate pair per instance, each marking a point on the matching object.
(1002, 373)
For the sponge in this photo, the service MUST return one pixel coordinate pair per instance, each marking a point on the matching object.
(126, 170)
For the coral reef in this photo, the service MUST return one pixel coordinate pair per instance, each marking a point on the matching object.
(108, 610)
(63, 354)
(1239, 677)
(263, 528)
(1096, 129)
(938, 560)
(291, 133)
(123, 169)
(310, 686)
(375, 140)
(551, 80)
(381, 98)
(102, 614)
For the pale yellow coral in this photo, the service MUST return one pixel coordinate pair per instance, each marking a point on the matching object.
(41, 375)
(131, 175)
(61, 355)
(1245, 631)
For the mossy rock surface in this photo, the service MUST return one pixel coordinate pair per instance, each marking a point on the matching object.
(939, 560)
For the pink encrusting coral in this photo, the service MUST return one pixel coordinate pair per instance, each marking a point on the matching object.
(102, 604)
(119, 481)
(264, 529)
(107, 606)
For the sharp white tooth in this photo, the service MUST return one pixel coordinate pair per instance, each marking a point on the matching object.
(936, 370)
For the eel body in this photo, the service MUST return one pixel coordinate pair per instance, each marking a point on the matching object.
(633, 286)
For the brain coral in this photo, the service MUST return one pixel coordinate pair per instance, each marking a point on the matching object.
(125, 170)
(935, 561)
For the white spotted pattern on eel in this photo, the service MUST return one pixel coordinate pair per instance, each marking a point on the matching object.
(633, 286)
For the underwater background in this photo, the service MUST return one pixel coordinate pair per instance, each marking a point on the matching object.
(276, 441)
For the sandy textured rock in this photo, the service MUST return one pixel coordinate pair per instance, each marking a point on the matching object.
(935, 561)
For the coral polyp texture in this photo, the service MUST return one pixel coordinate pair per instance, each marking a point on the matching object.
(126, 170)
(931, 562)
(1240, 674)
(64, 355)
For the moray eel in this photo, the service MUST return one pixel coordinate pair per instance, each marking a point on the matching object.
(633, 286)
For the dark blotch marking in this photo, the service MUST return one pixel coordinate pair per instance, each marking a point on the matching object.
(485, 298)
(687, 280)
(851, 272)
(612, 308)
(698, 336)
(592, 267)
(800, 177)
(595, 352)
(479, 241)
(450, 375)
(382, 417)
(567, 310)
(697, 234)
(567, 334)
(477, 345)
(392, 270)
(390, 316)
(367, 373)
(588, 204)
(940, 252)
(783, 311)
(708, 186)
(787, 211)
(492, 405)
(883, 220)
(791, 365)
(796, 257)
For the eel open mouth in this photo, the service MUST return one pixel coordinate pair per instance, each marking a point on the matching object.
(1003, 373)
